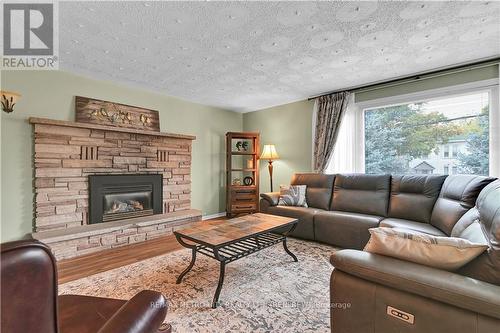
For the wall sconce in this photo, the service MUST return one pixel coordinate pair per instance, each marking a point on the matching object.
(9, 99)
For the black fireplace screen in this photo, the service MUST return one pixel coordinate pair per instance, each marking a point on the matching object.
(118, 197)
(128, 204)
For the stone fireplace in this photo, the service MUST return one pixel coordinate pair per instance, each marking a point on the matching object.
(120, 197)
(99, 187)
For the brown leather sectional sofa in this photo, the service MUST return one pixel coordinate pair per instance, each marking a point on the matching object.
(341, 210)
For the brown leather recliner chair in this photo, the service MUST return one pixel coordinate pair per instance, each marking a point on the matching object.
(29, 300)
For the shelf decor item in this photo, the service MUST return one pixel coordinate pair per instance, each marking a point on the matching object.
(242, 145)
(242, 163)
(248, 181)
(250, 163)
(269, 153)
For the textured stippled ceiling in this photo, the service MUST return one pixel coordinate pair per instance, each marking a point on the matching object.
(246, 56)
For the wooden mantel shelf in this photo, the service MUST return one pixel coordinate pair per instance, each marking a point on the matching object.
(45, 121)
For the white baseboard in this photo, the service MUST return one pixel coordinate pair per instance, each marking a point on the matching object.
(213, 216)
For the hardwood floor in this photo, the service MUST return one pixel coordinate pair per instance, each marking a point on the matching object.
(76, 268)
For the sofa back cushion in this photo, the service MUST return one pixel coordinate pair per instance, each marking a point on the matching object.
(414, 196)
(457, 196)
(361, 193)
(486, 267)
(319, 188)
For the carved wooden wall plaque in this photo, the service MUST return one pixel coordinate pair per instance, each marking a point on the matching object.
(101, 112)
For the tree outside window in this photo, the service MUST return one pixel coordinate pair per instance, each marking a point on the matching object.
(429, 137)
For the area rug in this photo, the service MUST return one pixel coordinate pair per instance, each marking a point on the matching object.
(264, 292)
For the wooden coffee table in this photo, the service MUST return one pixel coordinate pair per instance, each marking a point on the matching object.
(229, 240)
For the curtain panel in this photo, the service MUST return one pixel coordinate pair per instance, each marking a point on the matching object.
(330, 111)
(348, 152)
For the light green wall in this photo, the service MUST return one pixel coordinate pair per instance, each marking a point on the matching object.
(50, 94)
(289, 128)
(472, 75)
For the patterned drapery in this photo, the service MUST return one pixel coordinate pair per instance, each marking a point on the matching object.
(329, 113)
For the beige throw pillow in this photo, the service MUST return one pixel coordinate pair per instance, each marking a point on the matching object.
(292, 195)
(448, 253)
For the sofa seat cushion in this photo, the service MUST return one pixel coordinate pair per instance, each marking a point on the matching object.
(305, 216)
(344, 229)
(425, 228)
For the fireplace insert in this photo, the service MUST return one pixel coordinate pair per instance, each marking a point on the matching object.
(118, 197)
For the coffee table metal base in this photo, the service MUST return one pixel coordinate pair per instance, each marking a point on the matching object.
(231, 252)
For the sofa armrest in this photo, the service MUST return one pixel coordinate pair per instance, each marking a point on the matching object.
(271, 197)
(143, 313)
(440, 285)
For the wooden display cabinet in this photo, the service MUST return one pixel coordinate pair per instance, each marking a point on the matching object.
(242, 161)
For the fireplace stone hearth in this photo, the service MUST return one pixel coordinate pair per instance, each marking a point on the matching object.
(77, 241)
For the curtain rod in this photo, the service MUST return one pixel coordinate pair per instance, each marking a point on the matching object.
(416, 77)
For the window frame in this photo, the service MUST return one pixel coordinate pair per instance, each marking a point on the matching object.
(491, 86)
(446, 151)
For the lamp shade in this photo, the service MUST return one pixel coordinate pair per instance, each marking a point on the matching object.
(269, 153)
